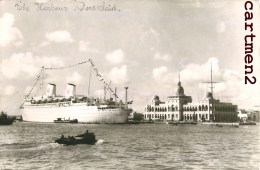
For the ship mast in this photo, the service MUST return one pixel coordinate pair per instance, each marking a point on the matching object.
(42, 80)
(105, 93)
(89, 79)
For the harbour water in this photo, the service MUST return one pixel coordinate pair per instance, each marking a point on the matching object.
(126, 146)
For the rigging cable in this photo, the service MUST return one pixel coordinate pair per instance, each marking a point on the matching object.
(64, 67)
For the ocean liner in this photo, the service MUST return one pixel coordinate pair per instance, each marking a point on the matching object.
(86, 109)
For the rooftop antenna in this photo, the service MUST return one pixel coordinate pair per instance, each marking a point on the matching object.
(211, 91)
(179, 76)
(211, 84)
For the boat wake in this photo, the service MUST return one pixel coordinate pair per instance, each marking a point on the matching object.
(44, 146)
(99, 142)
(48, 146)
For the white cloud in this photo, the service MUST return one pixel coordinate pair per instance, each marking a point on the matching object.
(9, 90)
(74, 78)
(232, 76)
(162, 75)
(8, 33)
(150, 39)
(238, 92)
(230, 86)
(116, 57)
(25, 65)
(118, 75)
(99, 93)
(164, 57)
(59, 36)
(159, 73)
(85, 46)
(44, 43)
(27, 89)
(200, 72)
(221, 26)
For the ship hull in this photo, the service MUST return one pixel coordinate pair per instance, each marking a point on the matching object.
(81, 112)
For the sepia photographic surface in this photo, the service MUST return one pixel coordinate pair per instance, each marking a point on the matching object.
(129, 84)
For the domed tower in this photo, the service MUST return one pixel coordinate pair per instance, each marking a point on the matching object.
(179, 90)
(181, 98)
(155, 100)
(209, 95)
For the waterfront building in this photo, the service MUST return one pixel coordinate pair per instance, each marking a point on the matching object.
(242, 115)
(171, 109)
(254, 115)
(181, 108)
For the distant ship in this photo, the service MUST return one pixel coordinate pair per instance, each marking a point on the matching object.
(85, 109)
(5, 120)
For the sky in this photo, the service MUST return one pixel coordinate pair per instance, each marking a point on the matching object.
(141, 44)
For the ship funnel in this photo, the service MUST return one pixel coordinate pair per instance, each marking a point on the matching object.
(51, 90)
(70, 90)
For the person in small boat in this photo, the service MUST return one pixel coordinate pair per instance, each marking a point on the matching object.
(84, 134)
(62, 137)
(71, 137)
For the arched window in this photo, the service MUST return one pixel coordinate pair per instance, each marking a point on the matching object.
(206, 108)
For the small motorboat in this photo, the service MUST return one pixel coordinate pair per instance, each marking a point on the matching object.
(247, 123)
(60, 120)
(218, 125)
(177, 123)
(85, 138)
